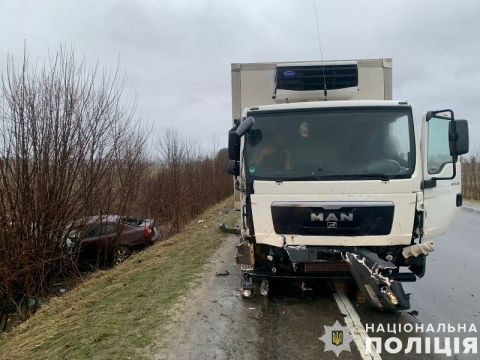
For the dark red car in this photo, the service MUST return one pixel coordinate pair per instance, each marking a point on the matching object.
(108, 239)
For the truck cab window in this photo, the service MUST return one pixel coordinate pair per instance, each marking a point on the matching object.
(438, 153)
(399, 145)
(273, 154)
(325, 143)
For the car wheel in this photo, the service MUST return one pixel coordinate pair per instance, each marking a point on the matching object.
(121, 254)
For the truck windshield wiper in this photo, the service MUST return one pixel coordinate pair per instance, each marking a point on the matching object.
(288, 178)
(382, 177)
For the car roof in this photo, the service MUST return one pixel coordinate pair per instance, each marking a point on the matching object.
(101, 218)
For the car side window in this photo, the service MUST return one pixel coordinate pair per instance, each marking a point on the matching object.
(95, 230)
(109, 228)
(102, 229)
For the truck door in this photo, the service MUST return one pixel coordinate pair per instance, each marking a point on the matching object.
(443, 139)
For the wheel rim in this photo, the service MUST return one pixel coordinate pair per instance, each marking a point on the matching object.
(121, 254)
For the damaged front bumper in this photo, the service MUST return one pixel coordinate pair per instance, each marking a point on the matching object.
(373, 276)
(245, 255)
(379, 280)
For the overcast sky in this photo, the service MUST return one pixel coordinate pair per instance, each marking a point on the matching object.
(177, 54)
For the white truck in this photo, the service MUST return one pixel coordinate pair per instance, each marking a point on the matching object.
(336, 180)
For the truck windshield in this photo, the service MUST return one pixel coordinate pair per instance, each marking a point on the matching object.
(332, 143)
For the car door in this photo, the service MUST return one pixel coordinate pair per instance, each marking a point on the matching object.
(108, 235)
(441, 170)
(99, 239)
(90, 243)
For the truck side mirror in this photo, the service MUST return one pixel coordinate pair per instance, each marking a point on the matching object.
(447, 138)
(458, 135)
(234, 136)
(440, 146)
(245, 125)
(233, 145)
(233, 168)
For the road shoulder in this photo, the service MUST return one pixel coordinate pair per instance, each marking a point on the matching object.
(212, 321)
(471, 206)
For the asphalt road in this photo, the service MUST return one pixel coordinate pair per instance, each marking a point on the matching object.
(216, 323)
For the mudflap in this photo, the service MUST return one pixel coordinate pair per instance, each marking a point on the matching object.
(371, 274)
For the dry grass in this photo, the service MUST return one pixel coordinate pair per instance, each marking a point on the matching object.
(469, 202)
(117, 314)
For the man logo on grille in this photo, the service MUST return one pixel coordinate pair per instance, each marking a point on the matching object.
(337, 338)
(331, 217)
(331, 225)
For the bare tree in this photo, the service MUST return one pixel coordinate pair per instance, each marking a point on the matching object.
(187, 180)
(66, 151)
(69, 148)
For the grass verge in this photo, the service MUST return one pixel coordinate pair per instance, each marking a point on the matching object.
(468, 202)
(118, 313)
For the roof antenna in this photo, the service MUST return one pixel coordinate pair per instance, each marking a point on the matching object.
(321, 52)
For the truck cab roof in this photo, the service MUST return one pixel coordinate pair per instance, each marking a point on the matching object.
(324, 104)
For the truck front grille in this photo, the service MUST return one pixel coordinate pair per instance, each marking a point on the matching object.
(333, 218)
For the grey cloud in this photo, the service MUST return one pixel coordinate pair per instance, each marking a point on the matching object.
(177, 55)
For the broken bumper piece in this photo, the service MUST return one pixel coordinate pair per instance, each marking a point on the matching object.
(245, 255)
(371, 274)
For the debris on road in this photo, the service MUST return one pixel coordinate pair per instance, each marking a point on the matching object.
(228, 230)
(413, 312)
(225, 273)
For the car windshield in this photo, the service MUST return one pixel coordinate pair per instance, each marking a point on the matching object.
(331, 143)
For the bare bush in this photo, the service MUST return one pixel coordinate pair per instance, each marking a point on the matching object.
(471, 175)
(69, 149)
(186, 180)
(66, 151)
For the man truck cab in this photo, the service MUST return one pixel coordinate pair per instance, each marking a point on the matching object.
(333, 179)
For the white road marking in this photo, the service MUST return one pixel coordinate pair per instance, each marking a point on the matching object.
(355, 325)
